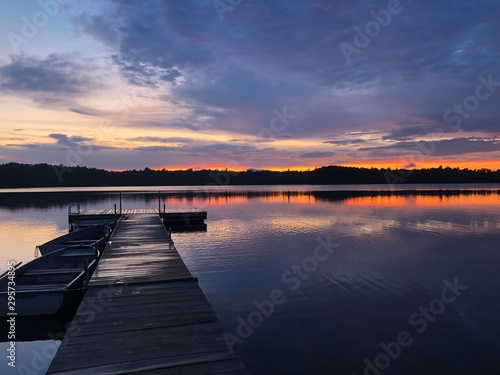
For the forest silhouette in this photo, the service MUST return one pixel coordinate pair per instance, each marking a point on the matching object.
(15, 175)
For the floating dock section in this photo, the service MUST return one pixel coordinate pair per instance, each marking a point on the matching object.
(176, 218)
(144, 312)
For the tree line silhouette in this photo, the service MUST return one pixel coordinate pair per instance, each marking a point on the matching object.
(14, 175)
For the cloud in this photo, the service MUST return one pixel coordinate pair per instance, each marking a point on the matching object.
(358, 133)
(147, 74)
(87, 111)
(63, 142)
(346, 142)
(45, 80)
(156, 149)
(409, 132)
(161, 139)
(428, 125)
(316, 155)
(68, 141)
(269, 54)
(448, 147)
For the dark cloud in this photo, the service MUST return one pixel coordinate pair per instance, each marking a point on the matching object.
(430, 127)
(409, 132)
(64, 145)
(48, 80)
(25, 145)
(269, 54)
(68, 141)
(346, 142)
(447, 147)
(162, 139)
(156, 149)
(358, 133)
(316, 155)
(87, 111)
(145, 73)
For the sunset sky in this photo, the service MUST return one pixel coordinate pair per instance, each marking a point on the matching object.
(250, 83)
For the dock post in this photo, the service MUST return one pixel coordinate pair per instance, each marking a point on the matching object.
(120, 202)
(115, 208)
(159, 203)
(87, 276)
(163, 208)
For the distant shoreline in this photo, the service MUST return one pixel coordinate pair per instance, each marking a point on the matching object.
(19, 176)
(361, 190)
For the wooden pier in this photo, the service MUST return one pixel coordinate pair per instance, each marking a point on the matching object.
(144, 312)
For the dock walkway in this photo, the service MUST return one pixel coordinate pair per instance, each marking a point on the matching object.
(144, 313)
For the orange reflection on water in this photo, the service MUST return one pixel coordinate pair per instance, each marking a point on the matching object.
(214, 199)
(285, 197)
(201, 199)
(486, 199)
(17, 246)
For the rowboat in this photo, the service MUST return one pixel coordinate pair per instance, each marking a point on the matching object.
(96, 236)
(48, 284)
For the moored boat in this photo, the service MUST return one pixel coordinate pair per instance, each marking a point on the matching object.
(49, 283)
(96, 236)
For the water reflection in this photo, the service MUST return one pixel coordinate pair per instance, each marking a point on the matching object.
(19, 236)
(33, 357)
(396, 248)
(37, 339)
(433, 199)
(136, 199)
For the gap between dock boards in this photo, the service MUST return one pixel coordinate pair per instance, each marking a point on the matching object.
(144, 312)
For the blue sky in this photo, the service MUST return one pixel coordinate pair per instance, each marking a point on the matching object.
(250, 84)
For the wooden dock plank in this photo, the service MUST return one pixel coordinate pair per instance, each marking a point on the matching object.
(139, 252)
(180, 366)
(144, 312)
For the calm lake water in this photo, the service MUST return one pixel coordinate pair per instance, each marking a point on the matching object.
(351, 269)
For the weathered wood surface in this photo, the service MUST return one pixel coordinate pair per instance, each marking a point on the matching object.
(140, 251)
(144, 313)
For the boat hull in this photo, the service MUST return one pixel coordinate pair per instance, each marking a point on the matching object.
(96, 236)
(33, 303)
(49, 283)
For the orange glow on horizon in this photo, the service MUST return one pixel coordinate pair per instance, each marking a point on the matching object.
(220, 167)
(492, 165)
(396, 164)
